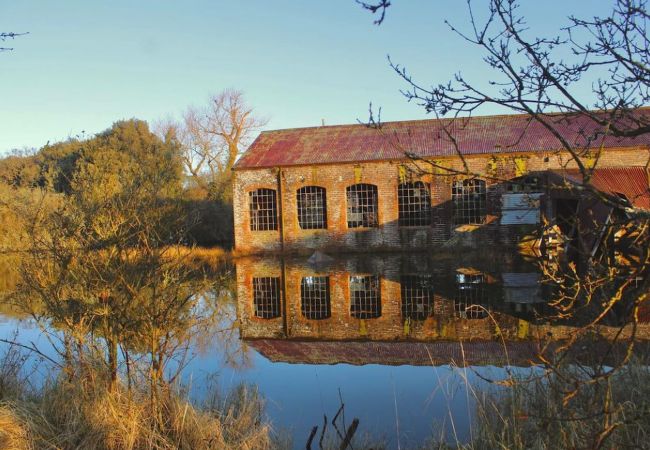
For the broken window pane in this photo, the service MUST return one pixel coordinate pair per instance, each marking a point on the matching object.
(469, 198)
(525, 184)
(470, 301)
(312, 208)
(417, 296)
(263, 210)
(315, 297)
(365, 299)
(414, 204)
(266, 297)
(362, 205)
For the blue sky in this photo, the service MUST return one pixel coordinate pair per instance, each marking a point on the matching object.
(86, 64)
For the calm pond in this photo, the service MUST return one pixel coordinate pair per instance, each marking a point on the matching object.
(405, 341)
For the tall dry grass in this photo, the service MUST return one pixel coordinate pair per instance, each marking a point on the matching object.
(86, 413)
(211, 258)
(613, 412)
(534, 413)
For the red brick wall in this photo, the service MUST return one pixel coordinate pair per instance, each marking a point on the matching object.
(445, 323)
(386, 175)
(246, 271)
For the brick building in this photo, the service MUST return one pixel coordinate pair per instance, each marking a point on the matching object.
(385, 297)
(364, 309)
(352, 187)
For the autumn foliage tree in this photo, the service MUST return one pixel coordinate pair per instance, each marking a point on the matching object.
(103, 266)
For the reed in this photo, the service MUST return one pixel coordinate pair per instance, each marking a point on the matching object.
(86, 412)
(211, 258)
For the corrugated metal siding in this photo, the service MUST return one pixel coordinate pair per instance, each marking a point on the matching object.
(521, 287)
(426, 138)
(519, 216)
(528, 200)
(629, 181)
(520, 209)
(525, 279)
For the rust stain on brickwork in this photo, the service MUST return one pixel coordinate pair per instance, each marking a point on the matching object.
(461, 297)
(335, 158)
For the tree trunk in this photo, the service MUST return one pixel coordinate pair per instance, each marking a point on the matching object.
(112, 360)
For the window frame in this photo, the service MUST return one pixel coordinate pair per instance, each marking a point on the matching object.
(305, 213)
(368, 307)
(362, 200)
(471, 300)
(420, 211)
(416, 290)
(261, 216)
(469, 199)
(316, 304)
(267, 306)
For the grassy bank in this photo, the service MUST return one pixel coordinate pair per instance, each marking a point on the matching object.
(573, 408)
(613, 412)
(84, 412)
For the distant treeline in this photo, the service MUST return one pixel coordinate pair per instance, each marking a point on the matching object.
(126, 156)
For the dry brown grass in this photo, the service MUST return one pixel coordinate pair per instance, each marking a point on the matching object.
(196, 258)
(87, 414)
(13, 433)
(532, 413)
(199, 257)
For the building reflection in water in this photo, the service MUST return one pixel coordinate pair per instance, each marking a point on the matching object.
(394, 309)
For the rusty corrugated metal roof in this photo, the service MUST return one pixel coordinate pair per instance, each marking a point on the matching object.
(425, 138)
(633, 182)
(430, 353)
(396, 353)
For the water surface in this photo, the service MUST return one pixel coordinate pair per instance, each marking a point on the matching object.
(405, 341)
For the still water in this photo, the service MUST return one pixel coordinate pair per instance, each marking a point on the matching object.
(405, 341)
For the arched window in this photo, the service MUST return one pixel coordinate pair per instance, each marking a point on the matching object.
(312, 207)
(362, 205)
(365, 297)
(417, 297)
(266, 297)
(414, 204)
(469, 199)
(315, 297)
(264, 210)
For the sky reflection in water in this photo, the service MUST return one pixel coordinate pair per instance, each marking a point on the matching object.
(394, 397)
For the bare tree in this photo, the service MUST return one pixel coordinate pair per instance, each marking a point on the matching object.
(533, 75)
(4, 35)
(213, 136)
(596, 73)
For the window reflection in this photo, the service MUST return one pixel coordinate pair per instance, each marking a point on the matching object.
(417, 296)
(315, 297)
(266, 297)
(365, 298)
(470, 301)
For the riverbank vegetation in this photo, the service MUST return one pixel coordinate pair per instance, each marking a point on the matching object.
(188, 161)
(89, 411)
(94, 233)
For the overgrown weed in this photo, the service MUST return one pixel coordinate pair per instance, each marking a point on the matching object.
(84, 411)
